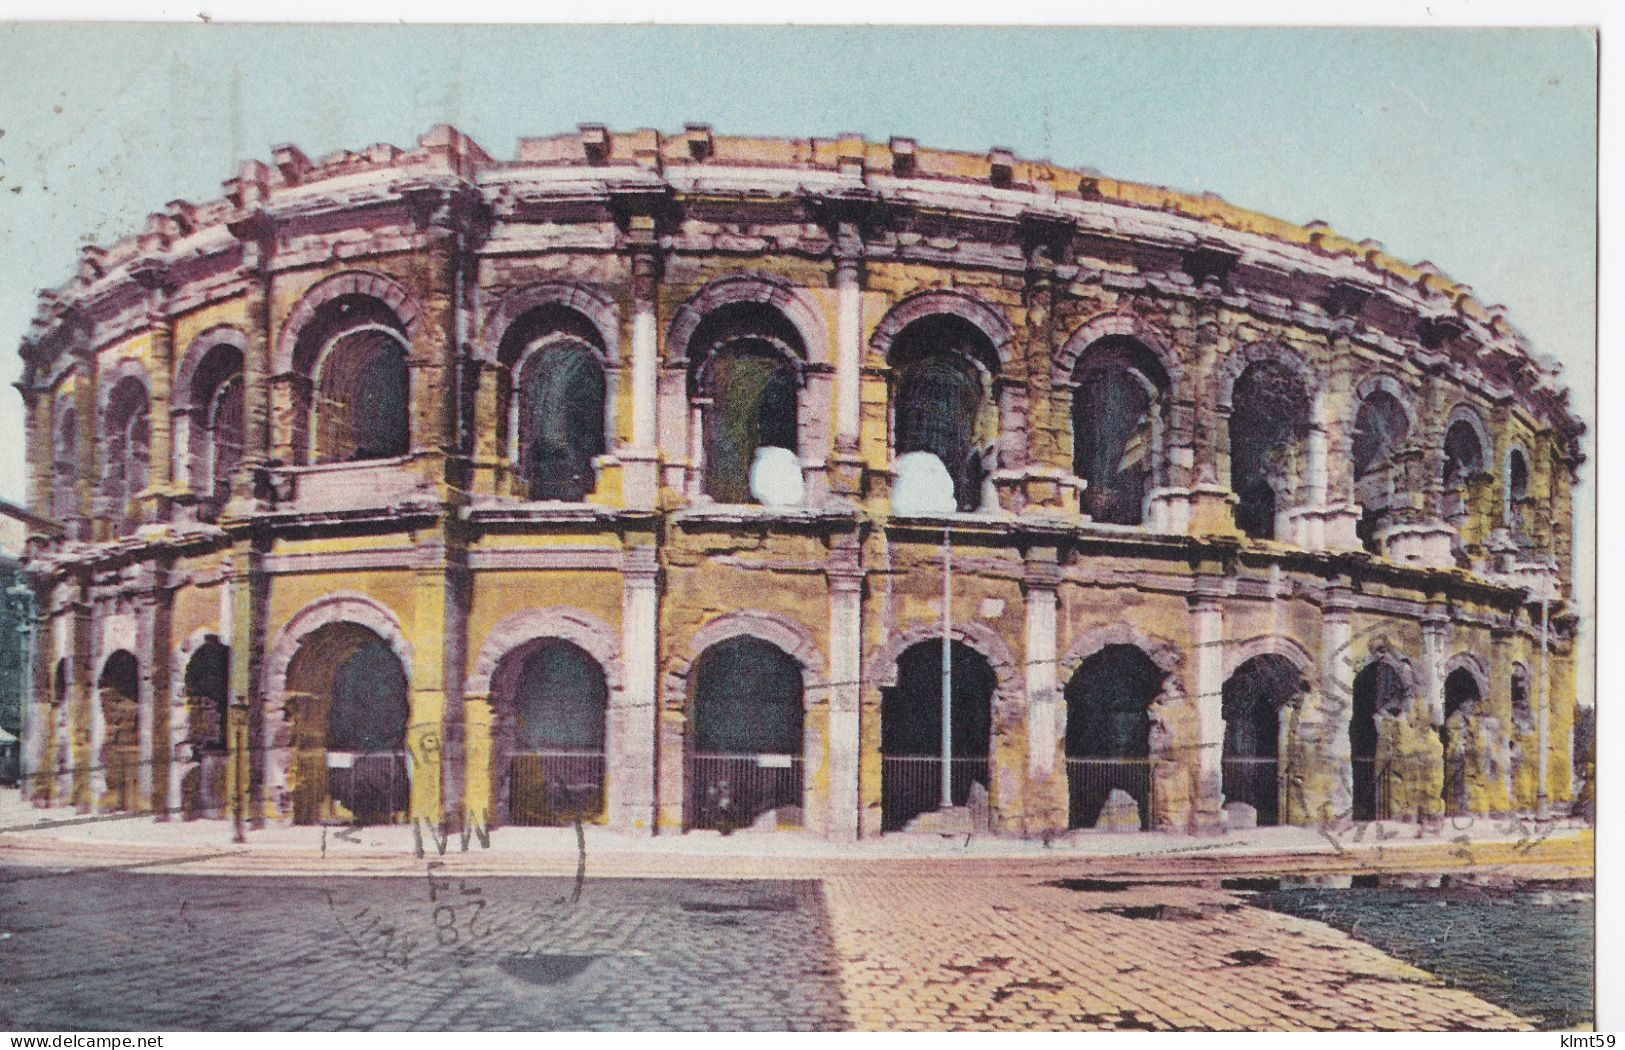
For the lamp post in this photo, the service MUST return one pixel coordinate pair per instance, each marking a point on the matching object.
(947, 667)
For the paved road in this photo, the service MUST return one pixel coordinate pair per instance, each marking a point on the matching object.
(125, 951)
(982, 949)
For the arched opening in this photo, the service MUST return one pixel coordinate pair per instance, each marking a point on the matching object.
(553, 391)
(551, 701)
(1380, 429)
(1379, 690)
(352, 387)
(207, 686)
(118, 690)
(911, 731)
(1108, 732)
(943, 369)
(1269, 431)
(1464, 459)
(348, 692)
(1252, 702)
(1116, 431)
(1517, 493)
(1461, 697)
(127, 441)
(745, 388)
(745, 739)
(217, 426)
(65, 461)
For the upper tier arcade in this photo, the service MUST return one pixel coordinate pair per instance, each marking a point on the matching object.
(718, 327)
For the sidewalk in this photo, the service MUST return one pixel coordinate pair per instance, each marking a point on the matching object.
(62, 837)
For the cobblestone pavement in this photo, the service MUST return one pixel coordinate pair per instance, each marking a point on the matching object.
(123, 951)
(1007, 948)
(1002, 953)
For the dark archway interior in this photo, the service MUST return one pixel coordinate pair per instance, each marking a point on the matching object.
(369, 700)
(208, 686)
(1461, 695)
(743, 356)
(939, 396)
(1107, 701)
(1269, 424)
(1252, 702)
(1380, 429)
(363, 409)
(561, 422)
(747, 699)
(560, 699)
(1378, 688)
(752, 389)
(1463, 453)
(1119, 384)
(911, 710)
(119, 686)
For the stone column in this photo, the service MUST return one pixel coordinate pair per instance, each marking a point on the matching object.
(145, 699)
(1435, 632)
(642, 458)
(427, 675)
(1046, 792)
(256, 232)
(633, 722)
(1335, 711)
(845, 689)
(259, 741)
(1207, 634)
(155, 280)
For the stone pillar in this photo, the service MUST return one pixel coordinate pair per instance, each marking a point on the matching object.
(1429, 776)
(489, 461)
(845, 689)
(1046, 776)
(427, 707)
(256, 233)
(1207, 635)
(259, 740)
(451, 752)
(1335, 712)
(633, 722)
(642, 458)
(155, 281)
(145, 700)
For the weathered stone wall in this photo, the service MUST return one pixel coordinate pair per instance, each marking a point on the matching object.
(640, 237)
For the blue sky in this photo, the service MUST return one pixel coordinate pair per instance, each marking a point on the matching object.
(1472, 148)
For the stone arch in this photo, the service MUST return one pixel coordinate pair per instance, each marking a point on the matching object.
(192, 359)
(276, 720)
(1009, 694)
(596, 306)
(1239, 651)
(338, 607)
(797, 306)
(985, 317)
(1165, 654)
(109, 379)
(1387, 384)
(516, 630)
(786, 633)
(1462, 412)
(188, 768)
(352, 282)
(1268, 350)
(495, 676)
(1124, 325)
(1473, 664)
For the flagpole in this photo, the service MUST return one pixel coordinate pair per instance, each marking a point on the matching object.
(947, 667)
